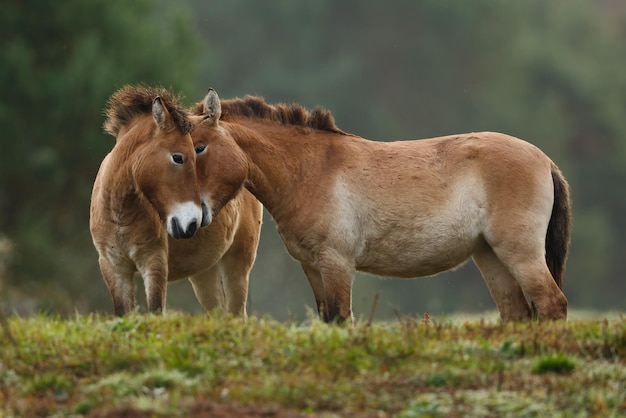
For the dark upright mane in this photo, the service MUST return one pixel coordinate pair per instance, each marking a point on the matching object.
(287, 114)
(131, 101)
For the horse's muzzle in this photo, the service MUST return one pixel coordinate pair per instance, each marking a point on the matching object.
(184, 220)
(178, 231)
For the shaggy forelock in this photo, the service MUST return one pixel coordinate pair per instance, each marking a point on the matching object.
(131, 101)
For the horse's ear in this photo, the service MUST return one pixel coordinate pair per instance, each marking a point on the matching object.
(159, 113)
(212, 107)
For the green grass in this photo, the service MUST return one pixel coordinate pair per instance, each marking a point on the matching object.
(166, 366)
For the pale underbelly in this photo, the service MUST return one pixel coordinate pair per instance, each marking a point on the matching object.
(422, 259)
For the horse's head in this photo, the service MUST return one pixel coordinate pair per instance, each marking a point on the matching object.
(222, 167)
(160, 154)
(168, 177)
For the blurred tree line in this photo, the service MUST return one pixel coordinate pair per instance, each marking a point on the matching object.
(552, 73)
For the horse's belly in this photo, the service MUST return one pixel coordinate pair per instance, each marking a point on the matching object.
(410, 230)
(409, 264)
(407, 261)
(422, 249)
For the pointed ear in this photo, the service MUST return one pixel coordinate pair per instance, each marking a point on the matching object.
(159, 113)
(212, 107)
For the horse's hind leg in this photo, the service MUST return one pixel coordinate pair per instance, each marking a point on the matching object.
(504, 289)
(208, 288)
(537, 281)
(525, 259)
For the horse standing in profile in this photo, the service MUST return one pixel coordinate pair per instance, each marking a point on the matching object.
(405, 209)
(146, 197)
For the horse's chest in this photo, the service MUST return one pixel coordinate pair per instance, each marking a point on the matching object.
(130, 243)
(294, 243)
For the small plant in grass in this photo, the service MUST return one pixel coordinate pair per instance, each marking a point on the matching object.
(554, 363)
(421, 410)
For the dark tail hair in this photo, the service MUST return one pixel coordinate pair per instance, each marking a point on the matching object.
(559, 227)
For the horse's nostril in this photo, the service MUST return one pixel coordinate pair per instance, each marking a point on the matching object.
(177, 231)
(191, 229)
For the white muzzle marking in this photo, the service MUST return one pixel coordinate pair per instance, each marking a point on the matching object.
(184, 220)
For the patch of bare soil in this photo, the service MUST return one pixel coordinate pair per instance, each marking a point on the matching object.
(204, 409)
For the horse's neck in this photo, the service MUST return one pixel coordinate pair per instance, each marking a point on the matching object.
(276, 159)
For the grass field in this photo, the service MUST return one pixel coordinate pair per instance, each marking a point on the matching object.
(218, 366)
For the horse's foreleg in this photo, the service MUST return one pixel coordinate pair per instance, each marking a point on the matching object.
(155, 283)
(332, 285)
(236, 265)
(209, 288)
(236, 281)
(317, 285)
(156, 292)
(504, 289)
(121, 286)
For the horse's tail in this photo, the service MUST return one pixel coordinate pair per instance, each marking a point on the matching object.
(559, 227)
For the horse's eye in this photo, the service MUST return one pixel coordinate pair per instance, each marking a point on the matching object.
(200, 149)
(178, 159)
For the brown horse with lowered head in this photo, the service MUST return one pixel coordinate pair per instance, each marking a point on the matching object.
(406, 209)
(146, 196)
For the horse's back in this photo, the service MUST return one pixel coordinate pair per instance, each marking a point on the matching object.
(426, 173)
(483, 150)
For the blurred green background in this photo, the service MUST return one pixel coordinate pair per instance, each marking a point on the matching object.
(550, 72)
